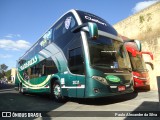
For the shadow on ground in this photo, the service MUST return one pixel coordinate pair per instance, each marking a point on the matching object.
(106, 100)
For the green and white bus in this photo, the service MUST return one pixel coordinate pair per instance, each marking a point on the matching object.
(80, 56)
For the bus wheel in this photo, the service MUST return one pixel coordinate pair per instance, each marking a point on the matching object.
(147, 88)
(20, 88)
(57, 92)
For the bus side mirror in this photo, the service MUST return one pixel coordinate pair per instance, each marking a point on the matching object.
(151, 64)
(149, 53)
(132, 50)
(139, 45)
(92, 29)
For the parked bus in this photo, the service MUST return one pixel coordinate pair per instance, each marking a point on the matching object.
(140, 72)
(81, 56)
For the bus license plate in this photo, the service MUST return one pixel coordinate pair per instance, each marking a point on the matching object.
(121, 88)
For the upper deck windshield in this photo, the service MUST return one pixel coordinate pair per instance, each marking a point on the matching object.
(108, 53)
(101, 23)
(137, 63)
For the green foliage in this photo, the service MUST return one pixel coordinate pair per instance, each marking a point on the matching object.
(1, 75)
(149, 17)
(3, 69)
(141, 19)
(8, 74)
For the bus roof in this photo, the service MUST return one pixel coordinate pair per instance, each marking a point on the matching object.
(72, 11)
(78, 15)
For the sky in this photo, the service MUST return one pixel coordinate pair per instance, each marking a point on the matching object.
(22, 22)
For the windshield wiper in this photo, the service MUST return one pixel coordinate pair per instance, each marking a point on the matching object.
(101, 65)
(129, 69)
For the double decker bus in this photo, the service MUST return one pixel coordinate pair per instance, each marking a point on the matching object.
(80, 56)
(140, 72)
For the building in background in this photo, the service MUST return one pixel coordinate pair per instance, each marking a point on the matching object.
(145, 26)
(13, 75)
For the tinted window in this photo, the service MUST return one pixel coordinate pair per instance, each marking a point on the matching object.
(49, 67)
(64, 25)
(43, 68)
(101, 23)
(46, 39)
(37, 49)
(137, 62)
(108, 53)
(67, 37)
(76, 61)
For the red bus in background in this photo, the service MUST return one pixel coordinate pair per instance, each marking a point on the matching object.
(140, 72)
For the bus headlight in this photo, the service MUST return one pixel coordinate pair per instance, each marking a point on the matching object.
(100, 79)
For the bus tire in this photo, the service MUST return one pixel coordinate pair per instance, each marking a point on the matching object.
(20, 88)
(147, 88)
(56, 92)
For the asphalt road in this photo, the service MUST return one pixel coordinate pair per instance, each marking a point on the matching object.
(91, 109)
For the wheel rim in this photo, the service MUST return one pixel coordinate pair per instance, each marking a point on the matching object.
(57, 91)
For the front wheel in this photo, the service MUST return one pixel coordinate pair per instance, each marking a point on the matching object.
(20, 88)
(56, 91)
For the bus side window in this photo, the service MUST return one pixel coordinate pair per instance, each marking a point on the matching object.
(73, 23)
(57, 30)
(46, 39)
(63, 26)
(49, 67)
(25, 75)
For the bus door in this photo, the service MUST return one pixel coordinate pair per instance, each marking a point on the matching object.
(76, 78)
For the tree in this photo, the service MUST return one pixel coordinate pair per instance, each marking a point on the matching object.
(8, 74)
(1, 75)
(3, 68)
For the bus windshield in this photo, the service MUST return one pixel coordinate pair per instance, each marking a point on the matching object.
(108, 53)
(137, 62)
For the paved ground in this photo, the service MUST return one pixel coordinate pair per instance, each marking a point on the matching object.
(11, 100)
